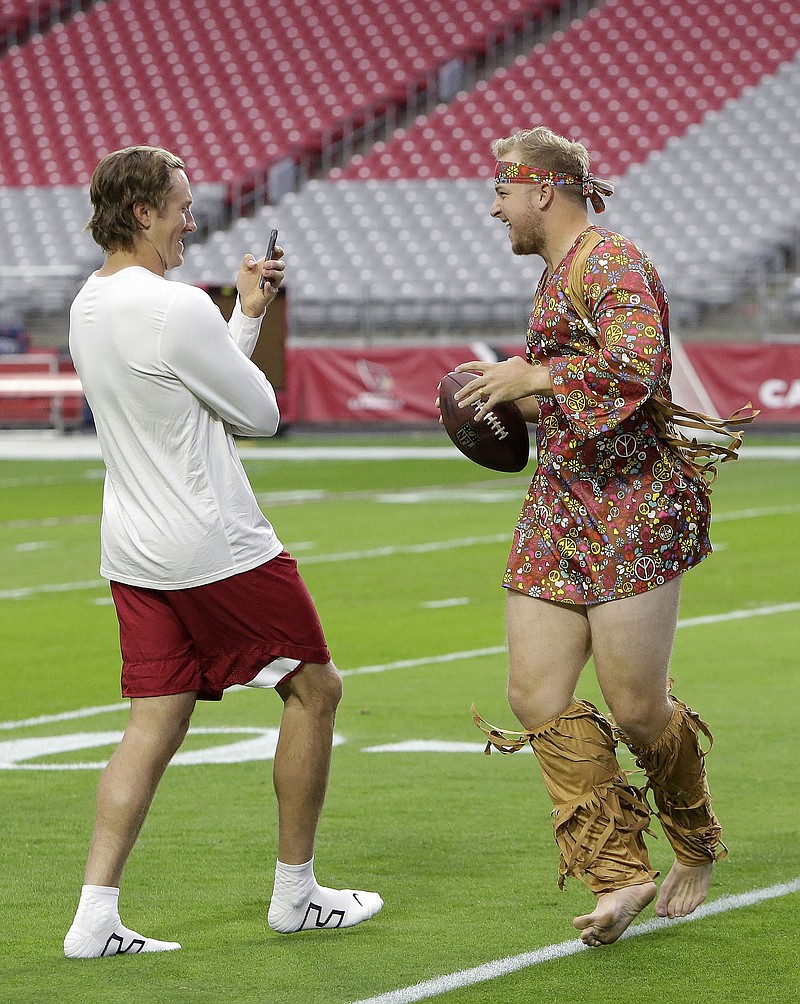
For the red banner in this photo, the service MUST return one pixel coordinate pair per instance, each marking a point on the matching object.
(768, 375)
(371, 385)
(398, 384)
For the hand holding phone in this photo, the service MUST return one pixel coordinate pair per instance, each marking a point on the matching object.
(273, 240)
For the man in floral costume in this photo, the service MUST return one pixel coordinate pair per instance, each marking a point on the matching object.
(615, 514)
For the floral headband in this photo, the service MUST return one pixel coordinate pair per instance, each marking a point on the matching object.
(508, 172)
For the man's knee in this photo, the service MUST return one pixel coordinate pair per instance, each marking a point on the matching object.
(160, 722)
(328, 685)
(536, 702)
(315, 685)
(641, 717)
(519, 699)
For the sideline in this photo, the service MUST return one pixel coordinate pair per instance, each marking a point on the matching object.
(48, 445)
(429, 660)
(51, 446)
(514, 963)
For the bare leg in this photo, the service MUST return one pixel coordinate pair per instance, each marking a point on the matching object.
(155, 731)
(548, 647)
(632, 641)
(303, 758)
(302, 766)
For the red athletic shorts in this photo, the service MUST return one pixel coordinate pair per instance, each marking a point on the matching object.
(258, 627)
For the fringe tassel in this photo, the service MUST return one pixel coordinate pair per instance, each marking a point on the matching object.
(599, 818)
(700, 457)
(676, 773)
(503, 740)
(586, 827)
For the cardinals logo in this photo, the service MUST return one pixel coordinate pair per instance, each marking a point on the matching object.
(378, 387)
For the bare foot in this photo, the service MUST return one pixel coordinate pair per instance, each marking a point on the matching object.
(613, 913)
(684, 889)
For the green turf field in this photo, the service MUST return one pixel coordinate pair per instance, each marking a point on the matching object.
(404, 559)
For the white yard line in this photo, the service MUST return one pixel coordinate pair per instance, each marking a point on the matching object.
(388, 551)
(49, 445)
(49, 521)
(65, 716)
(740, 615)
(79, 447)
(23, 592)
(514, 963)
(778, 510)
(466, 493)
(428, 660)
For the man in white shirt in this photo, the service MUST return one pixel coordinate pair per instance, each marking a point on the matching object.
(205, 594)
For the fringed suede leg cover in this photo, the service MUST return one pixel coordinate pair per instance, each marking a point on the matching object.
(675, 767)
(598, 817)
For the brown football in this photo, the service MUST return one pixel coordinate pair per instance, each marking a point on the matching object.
(499, 441)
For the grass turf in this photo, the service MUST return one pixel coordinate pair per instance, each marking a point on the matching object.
(458, 844)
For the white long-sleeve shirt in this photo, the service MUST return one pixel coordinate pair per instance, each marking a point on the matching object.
(169, 383)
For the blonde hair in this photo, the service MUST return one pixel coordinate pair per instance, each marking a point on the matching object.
(120, 180)
(541, 147)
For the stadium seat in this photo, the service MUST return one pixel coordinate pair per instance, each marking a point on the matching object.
(598, 71)
(663, 93)
(684, 203)
(266, 87)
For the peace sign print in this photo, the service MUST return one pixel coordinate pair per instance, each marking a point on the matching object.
(625, 445)
(644, 568)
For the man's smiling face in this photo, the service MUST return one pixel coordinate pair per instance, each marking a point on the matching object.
(515, 206)
(173, 222)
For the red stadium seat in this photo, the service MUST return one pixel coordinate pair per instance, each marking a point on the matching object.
(602, 70)
(201, 71)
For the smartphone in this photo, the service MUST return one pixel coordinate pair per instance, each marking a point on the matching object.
(273, 240)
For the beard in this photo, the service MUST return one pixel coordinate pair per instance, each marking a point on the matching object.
(527, 237)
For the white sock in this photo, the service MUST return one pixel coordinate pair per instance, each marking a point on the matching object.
(299, 903)
(97, 929)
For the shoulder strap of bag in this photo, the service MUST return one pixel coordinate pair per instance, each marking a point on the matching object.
(669, 418)
(576, 285)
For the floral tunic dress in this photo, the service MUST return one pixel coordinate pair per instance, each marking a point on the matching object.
(611, 511)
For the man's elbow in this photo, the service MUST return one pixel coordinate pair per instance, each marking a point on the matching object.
(257, 424)
(266, 423)
(272, 423)
(266, 415)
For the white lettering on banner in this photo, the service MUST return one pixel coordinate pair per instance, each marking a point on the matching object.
(368, 401)
(779, 394)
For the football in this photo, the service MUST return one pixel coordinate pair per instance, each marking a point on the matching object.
(499, 441)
